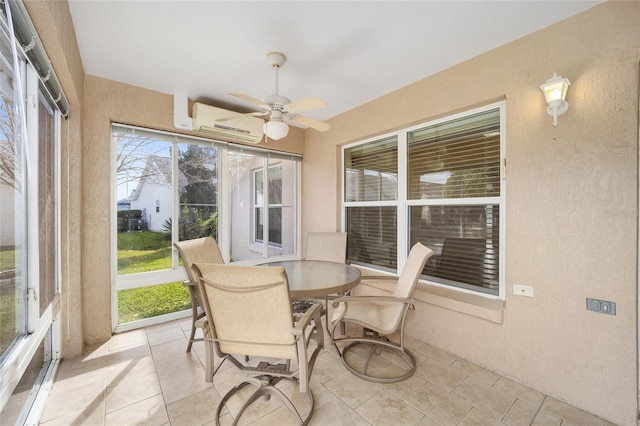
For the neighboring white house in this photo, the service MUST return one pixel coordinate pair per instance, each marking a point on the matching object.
(7, 216)
(153, 194)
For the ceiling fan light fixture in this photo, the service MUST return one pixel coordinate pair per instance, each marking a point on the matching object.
(275, 129)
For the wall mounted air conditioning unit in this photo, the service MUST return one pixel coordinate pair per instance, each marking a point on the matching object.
(241, 128)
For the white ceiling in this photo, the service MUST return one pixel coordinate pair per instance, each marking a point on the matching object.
(344, 52)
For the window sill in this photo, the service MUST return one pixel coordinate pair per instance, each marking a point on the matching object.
(485, 308)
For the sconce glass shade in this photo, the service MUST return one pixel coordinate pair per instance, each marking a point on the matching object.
(275, 129)
(555, 92)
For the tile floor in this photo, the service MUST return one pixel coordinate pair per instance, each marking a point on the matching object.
(145, 377)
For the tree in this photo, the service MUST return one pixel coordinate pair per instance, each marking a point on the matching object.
(134, 157)
(8, 123)
(198, 165)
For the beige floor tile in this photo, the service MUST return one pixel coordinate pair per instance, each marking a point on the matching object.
(443, 375)
(138, 350)
(130, 369)
(87, 417)
(181, 376)
(87, 375)
(572, 414)
(476, 417)
(385, 408)
(148, 412)
(121, 371)
(82, 368)
(428, 421)
(167, 335)
(409, 385)
(476, 371)
(521, 391)
(327, 367)
(521, 413)
(437, 354)
(544, 418)
(336, 413)
(133, 390)
(130, 338)
(352, 390)
(196, 409)
(84, 396)
(169, 349)
(158, 328)
(488, 399)
(439, 405)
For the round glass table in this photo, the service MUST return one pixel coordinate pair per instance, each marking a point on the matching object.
(316, 278)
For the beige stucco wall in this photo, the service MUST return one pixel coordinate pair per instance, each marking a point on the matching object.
(571, 194)
(571, 199)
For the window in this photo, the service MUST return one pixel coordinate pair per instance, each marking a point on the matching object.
(167, 188)
(371, 188)
(450, 171)
(29, 228)
(249, 198)
(274, 206)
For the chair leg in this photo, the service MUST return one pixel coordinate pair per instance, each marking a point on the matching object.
(192, 335)
(265, 388)
(194, 315)
(375, 346)
(209, 369)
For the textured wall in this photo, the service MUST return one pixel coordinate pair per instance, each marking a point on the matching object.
(571, 196)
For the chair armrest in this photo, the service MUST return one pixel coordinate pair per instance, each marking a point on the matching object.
(356, 299)
(314, 312)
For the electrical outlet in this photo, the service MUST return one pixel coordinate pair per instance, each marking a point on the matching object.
(523, 290)
(602, 306)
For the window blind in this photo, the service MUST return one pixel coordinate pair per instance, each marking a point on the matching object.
(457, 159)
(371, 171)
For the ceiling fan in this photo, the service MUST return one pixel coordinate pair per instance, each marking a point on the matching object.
(278, 107)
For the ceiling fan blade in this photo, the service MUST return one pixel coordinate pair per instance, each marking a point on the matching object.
(306, 104)
(310, 122)
(250, 99)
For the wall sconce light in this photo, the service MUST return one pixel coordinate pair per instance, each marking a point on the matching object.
(555, 91)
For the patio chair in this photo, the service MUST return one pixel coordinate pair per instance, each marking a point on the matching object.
(191, 251)
(380, 316)
(249, 313)
(328, 246)
(325, 246)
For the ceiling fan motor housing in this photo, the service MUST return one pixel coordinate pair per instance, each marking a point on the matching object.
(276, 59)
(276, 101)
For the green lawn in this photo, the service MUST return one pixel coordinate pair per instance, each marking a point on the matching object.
(147, 251)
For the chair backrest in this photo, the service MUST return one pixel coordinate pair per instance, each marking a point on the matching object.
(249, 309)
(412, 270)
(329, 246)
(203, 250)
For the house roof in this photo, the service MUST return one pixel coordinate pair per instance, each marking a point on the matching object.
(344, 52)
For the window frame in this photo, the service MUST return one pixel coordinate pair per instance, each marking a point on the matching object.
(265, 206)
(403, 204)
(177, 272)
(41, 336)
